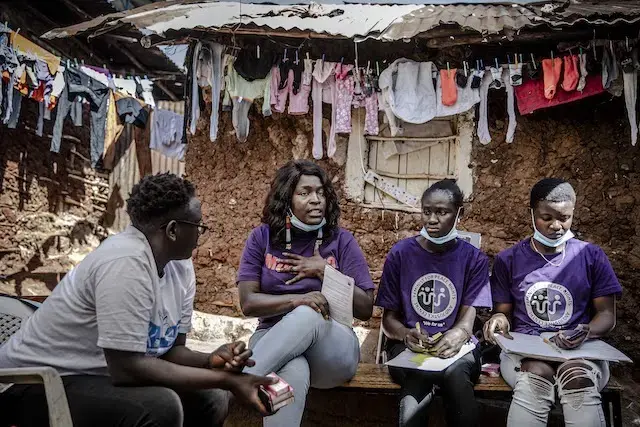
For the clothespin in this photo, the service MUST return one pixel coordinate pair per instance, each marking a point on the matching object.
(341, 60)
(82, 61)
(377, 68)
(307, 55)
(496, 61)
(258, 51)
(477, 65)
(552, 55)
(482, 63)
(533, 61)
(464, 65)
(17, 31)
(68, 63)
(521, 59)
(323, 59)
(508, 60)
(448, 69)
(104, 66)
(626, 39)
(368, 66)
(580, 51)
(297, 59)
(284, 59)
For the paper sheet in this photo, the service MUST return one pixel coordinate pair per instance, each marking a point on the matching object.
(534, 346)
(338, 290)
(425, 362)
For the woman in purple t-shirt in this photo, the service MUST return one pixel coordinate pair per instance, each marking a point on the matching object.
(435, 280)
(553, 282)
(280, 279)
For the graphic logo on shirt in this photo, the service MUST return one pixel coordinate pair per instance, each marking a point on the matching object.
(434, 297)
(160, 338)
(549, 304)
(275, 264)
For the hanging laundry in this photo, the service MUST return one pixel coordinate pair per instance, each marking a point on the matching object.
(476, 79)
(531, 95)
(251, 67)
(243, 93)
(630, 68)
(96, 75)
(496, 75)
(511, 126)
(515, 74)
(195, 93)
(166, 133)
(97, 94)
(448, 87)
(610, 71)
(296, 74)
(571, 73)
(125, 86)
(583, 72)
(483, 123)
(371, 125)
(461, 78)
(323, 81)
(12, 121)
(299, 102)
(147, 91)
(113, 130)
(281, 85)
(131, 111)
(551, 69)
(468, 97)
(26, 46)
(344, 97)
(408, 89)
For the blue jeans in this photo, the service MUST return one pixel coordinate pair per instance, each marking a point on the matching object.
(306, 351)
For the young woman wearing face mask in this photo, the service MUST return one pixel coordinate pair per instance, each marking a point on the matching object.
(435, 280)
(280, 279)
(553, 282)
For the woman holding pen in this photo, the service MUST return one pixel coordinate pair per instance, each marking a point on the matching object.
(430, 286)
(279, 281)
(553, 282)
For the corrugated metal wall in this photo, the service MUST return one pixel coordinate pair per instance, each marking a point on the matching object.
(126, 172)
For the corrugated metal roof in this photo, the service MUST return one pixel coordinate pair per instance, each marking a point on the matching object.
(482, 18)
(346, 20)
(389, 22)
(590, 12)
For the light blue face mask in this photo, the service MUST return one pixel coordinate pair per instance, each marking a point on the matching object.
(452, 234)
(550, 243)
(303, 226)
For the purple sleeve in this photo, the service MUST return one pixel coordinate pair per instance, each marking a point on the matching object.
(477, 292)
(353, 264)
(603, 278)
(389, 291)
(500, 282)
(252, 258)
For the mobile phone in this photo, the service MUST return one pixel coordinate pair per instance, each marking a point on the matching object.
(574, 334)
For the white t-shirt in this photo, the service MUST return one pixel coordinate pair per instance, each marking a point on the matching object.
(113, 299)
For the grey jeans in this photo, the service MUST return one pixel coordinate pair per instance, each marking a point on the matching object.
(306, 351)
(534, 396)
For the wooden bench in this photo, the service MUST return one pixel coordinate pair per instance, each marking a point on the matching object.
(374, 378)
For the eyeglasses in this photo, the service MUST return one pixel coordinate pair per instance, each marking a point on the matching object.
(201, 227)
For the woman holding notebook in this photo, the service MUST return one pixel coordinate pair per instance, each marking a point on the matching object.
(553, 282)
(280, 279)
(430, 286)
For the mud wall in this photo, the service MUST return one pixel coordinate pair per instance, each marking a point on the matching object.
(587, 143)
(51, 204)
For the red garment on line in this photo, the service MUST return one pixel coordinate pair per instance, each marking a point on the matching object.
(530, 95)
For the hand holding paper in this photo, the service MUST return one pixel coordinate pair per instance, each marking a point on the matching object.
(338, 290)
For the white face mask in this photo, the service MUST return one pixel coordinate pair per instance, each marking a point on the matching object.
(304, 226)
(550, 243)
(452, 234)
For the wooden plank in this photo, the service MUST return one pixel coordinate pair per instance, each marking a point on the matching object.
(453, 149)
(376, 377)
(418, 162)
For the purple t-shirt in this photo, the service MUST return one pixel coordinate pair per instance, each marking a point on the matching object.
(429, 288)
(261, 263)
(546, 298)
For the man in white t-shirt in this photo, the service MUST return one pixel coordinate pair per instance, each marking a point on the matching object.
(115, 328)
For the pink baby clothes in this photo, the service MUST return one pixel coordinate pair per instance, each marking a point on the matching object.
(299, 102)
(281, 101)
(344, 97)
(371, 126)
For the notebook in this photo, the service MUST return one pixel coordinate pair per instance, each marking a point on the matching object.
(535, 347)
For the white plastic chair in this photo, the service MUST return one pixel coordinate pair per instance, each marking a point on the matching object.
(13, 313)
